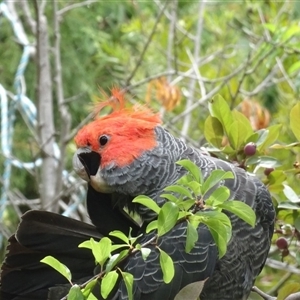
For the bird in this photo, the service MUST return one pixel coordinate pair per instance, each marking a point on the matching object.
(127, 153)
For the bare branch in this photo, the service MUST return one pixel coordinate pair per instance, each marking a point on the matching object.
(282, 266)
(279, 284)
(178, 27)
(192, 84)
(28, 17)
(127, 82)
(286, 76)
(45, 111)
(80, 125)
(171, 37)
(262, 294)
(75, 5)
(65, 117)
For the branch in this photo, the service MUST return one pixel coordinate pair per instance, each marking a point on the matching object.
(45, 111)
(130, 252)
(127, 82)
(79, 126)
(65, 117)
(192, 84)
(262, 294)
(275, 264)
(75, 5)
(178, 27)
(27, 13)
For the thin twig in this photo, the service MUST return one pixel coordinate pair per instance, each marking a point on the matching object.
(130, 252)
(74, 131)
(196, 54)
(241, 80)
(262, 294)
(279, 284)
(65, 117)
(28, 17)
(75, 5)
(127, 82)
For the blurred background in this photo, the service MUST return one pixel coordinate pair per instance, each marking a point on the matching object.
(57, 58)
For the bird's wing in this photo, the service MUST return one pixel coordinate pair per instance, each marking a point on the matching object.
(39, 234)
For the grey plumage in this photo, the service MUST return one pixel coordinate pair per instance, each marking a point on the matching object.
(230, 277)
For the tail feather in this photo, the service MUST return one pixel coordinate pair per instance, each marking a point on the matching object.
(39, 234)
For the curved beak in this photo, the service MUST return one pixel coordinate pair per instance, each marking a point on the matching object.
(86, 163)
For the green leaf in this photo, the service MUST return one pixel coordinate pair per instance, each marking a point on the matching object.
(191, 291)
(170, 197)
(262, 136)
(273, 133)
(219, 109)
(263, 161)
(179, 190)
(132, 239)
(289, 146)
(297, 224)
(115, 259)
(195, 187)
(294, 120)
(219, 232)
(271, 27)
(252, 138)
(215, 214)
(288, 289)
(219, 195)
(58, 266)
(186, 205)
(75, 293)
(276, 177)
(167, 218)
(101, 250)
(108, 282)
(152, 226)
(215, 177)
(290, 194)
(145, 252)
(294, 67)
(237, 135)
(91, 297)
(298, 257)
(89, 288)
(213, 131)
(290, 31)
(167, 266)
(191, 168)
(148, 202)
(241, 209)
(287, 205)
(128, 280)
(119, 234)
(191, 237)
(242, 119)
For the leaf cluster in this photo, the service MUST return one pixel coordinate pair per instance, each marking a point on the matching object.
(184, 203)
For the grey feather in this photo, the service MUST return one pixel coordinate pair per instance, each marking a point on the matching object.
(232, 276)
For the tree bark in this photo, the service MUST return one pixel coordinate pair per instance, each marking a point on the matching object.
(46, 127)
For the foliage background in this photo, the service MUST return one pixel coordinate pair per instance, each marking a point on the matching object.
(242, 50)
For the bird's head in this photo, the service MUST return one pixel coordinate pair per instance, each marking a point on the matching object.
(114, 141)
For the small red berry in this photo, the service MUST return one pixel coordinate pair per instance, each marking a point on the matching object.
(250, 149)
(282, 243)
(268, 171)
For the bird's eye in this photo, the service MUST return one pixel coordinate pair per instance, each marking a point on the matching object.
(103, 139)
